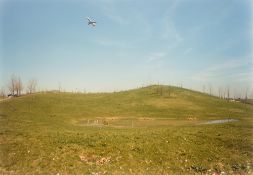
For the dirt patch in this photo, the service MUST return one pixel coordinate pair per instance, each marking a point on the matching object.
(124, 122)
(91, 159)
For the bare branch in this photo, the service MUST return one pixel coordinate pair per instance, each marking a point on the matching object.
(31, 86)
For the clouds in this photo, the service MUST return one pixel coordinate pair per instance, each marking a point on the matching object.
(109, 42)
(113, 14)
(170, 32)
(187, 51)
(229, 71)
(155, 56)
(233, 73)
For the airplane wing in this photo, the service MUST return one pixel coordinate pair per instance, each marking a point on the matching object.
(88, 19)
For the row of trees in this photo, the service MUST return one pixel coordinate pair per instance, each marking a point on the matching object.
(221, 92)
(224, 93)
(16, 86)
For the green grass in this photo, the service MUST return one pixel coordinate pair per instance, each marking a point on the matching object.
(145, 133)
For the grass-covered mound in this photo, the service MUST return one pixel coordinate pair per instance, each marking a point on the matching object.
(151, 130)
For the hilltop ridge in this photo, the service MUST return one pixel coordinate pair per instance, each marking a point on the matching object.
(151, 101)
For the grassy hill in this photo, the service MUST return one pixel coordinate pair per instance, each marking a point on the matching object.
(151, 130)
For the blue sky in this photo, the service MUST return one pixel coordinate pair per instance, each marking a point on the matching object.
(135, 43)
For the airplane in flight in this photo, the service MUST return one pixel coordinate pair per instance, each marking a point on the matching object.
(90, 22)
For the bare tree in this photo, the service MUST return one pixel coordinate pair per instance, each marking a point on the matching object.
(246, 94)
(31, 86)
(210, 89)
(169, 90)
(15, 85)
(59, 87)
(18, 86)
(220, 92)
(228, 93)
(224, 93)
(235, 94)
(11, 85)
(204, 89)
(2, 93)
(159, 90)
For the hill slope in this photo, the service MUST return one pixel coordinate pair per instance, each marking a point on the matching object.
(156, 129)
(173, 102)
